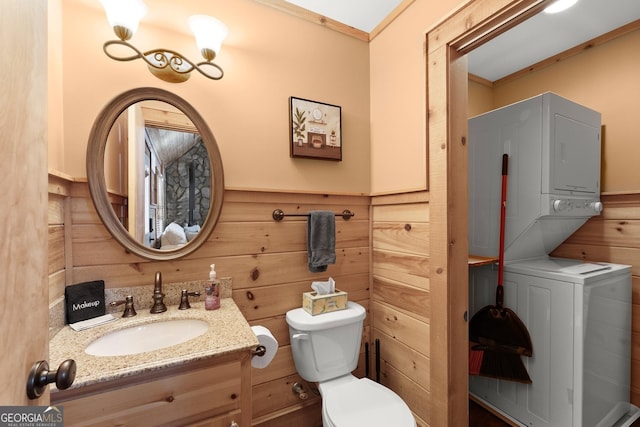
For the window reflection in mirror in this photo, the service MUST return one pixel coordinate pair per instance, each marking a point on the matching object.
(158, 175)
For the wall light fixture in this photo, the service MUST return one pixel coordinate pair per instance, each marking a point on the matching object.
(168, 65)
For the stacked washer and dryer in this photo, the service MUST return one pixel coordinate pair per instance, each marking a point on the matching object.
(578, 313)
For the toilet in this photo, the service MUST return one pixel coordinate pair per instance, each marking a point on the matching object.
(326, 348)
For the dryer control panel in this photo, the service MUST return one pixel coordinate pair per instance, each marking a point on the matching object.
(577, 207)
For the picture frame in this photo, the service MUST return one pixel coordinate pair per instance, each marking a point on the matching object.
(315, 129)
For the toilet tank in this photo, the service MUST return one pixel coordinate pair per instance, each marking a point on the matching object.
(327, 345)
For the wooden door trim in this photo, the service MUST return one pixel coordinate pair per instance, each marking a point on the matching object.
(447, 44)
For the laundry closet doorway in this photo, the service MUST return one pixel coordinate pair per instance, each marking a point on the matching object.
(447, 76)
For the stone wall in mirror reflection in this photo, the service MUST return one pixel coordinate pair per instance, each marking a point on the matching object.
(171, 180)
(188, 187)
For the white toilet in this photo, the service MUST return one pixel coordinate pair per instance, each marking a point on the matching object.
(325, 349)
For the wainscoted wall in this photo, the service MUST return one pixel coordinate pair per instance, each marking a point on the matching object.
(59, 213)
(266, 259)
(267, 262)
(400, 303)
(614, 236)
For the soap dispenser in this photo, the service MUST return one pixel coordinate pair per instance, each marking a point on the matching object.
(212, 291)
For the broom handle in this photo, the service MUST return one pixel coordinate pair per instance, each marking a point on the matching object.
(503, 214)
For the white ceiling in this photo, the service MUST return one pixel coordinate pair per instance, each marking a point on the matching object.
(536, 39)
(545, 35)
(364, 15)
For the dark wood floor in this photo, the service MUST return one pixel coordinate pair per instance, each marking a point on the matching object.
(480, 417)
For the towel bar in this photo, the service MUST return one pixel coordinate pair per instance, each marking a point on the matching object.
(279, 214)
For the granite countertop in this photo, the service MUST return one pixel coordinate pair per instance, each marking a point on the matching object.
(229, 332)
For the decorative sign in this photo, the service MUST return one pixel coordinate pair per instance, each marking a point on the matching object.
(315, 129)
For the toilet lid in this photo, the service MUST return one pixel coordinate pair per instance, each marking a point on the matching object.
(366, 403)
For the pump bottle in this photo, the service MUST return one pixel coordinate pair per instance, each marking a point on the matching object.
(212, 291)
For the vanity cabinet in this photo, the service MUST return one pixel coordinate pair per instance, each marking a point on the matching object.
(214, 394)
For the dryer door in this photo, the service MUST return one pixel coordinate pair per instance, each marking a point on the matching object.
(576, 156)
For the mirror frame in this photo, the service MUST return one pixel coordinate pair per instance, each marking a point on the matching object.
(97, 183)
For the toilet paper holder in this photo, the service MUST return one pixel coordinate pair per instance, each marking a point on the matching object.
(266, 349)
(259, 351)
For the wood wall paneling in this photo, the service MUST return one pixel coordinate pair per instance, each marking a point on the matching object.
(279, 394)
(401, 327)
(272, 300)
(407, 299)
(56, 248)
(308, 416)
(57, 284)
(266, 259)
(400, 299)
(58, 242)
(408, 361)
(418, 398)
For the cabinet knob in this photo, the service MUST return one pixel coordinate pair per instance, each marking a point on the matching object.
(40, 376)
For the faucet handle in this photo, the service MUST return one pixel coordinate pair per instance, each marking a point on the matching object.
(129, 309)
(184, 299)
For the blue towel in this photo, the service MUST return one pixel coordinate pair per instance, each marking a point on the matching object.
(321, 240)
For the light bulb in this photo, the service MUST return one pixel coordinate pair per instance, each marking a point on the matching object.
(125, 14)
(209, 33)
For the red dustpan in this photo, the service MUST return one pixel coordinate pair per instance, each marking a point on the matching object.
(497, 336)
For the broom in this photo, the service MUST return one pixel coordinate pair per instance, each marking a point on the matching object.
(498, 337)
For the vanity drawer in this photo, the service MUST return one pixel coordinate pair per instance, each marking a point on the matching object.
(179, 399)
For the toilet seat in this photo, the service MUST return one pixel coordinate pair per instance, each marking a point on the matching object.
(363, 402)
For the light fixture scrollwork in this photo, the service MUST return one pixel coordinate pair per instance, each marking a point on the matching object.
(168, 65)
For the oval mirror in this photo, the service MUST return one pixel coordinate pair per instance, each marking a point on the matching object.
(155, 174)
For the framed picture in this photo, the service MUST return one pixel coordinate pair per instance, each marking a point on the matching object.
(315, 129)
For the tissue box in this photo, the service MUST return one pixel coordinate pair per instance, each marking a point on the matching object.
(318, 304)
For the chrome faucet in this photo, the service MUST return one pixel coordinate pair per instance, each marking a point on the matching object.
(129, 309)
(158, 296)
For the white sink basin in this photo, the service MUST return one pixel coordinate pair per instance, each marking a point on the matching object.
(147, 337)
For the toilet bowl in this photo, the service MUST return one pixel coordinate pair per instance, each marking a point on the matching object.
(351, 401)
(326, 349)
